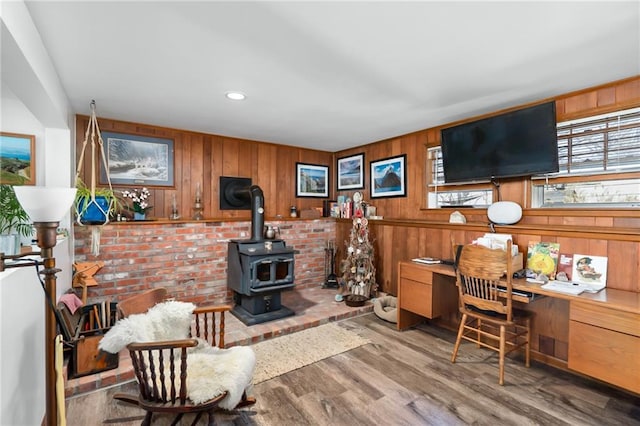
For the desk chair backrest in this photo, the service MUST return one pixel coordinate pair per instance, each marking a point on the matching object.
(142, 302)
(480, 275)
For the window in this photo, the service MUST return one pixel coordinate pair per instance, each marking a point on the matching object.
(609, 143)
(440, 194)
(599, 166)
(599, 163)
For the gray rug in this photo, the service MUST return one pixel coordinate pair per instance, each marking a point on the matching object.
(283, 354)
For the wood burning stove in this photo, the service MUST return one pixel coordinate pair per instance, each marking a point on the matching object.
(259, 269)
(258, 275)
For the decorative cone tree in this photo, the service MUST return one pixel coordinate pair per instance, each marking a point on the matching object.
(358, 272)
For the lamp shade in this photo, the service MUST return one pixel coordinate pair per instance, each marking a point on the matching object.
(504, 212)
(45, 204)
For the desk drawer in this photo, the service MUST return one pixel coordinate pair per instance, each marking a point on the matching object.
(416, 297)
(415, 273)
(600, 316)
(605, 354)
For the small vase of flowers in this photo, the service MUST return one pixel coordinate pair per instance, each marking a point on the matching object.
(139, 200)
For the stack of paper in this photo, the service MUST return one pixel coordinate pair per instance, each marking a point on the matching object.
(562, 287)
(497, 241)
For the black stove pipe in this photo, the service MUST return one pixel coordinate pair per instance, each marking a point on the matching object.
(257, 209)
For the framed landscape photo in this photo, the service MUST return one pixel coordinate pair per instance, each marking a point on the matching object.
(138, 160)
(389, 177)
(351, 172)
(312, 180)
(17, 159)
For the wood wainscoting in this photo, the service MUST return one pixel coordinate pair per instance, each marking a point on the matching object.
(398, 240)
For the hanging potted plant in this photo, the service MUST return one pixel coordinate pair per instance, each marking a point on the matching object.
(14, 221)
(94, 205)
(94, 208)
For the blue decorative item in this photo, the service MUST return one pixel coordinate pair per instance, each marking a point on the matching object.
(95, 212)
(138, 216)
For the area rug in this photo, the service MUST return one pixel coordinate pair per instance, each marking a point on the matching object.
(283, 354)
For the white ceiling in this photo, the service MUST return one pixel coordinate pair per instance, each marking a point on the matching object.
(329, 75)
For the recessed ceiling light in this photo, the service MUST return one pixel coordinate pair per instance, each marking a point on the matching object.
(235, 96)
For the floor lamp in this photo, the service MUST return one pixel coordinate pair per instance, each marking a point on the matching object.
(46, 207)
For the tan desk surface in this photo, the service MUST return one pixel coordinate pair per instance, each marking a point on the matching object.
(627, 301)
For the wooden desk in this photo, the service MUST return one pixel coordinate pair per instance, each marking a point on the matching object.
(603, 328)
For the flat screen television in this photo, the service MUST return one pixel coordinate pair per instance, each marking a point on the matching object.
(517, 143)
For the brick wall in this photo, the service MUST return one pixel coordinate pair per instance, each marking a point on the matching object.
(190, 259)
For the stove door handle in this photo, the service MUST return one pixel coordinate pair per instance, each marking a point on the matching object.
(272, 288)
(285, 260)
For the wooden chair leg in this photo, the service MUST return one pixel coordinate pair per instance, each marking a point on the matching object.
(246, 400)
(503, 336)
(527, 347)
(147, 419)
(211, 420)
(479, 336)
(177, 419)
(460, 331)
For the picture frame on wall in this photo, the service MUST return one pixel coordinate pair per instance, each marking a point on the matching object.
(312, 180)
(389, 177)
(350, 172)
(138, 160)
(17, 159)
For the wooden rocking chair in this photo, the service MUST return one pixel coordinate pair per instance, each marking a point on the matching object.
(161, 367)
(141, 302)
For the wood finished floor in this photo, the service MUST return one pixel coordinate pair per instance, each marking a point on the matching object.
(403, 378)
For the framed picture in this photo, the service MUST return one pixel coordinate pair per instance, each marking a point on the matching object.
(351, 172)
(312, 180)
(17, 159)
(138, 160)
(389, 177)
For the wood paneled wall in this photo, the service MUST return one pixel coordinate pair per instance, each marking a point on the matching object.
(602, 99)
(401, 240)
(204, 158)
(416, 231)
(396, 240)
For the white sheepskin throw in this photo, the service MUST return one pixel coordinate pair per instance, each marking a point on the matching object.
(210, 370)
(165, 321)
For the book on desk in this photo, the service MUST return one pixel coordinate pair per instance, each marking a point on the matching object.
(427, 260)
